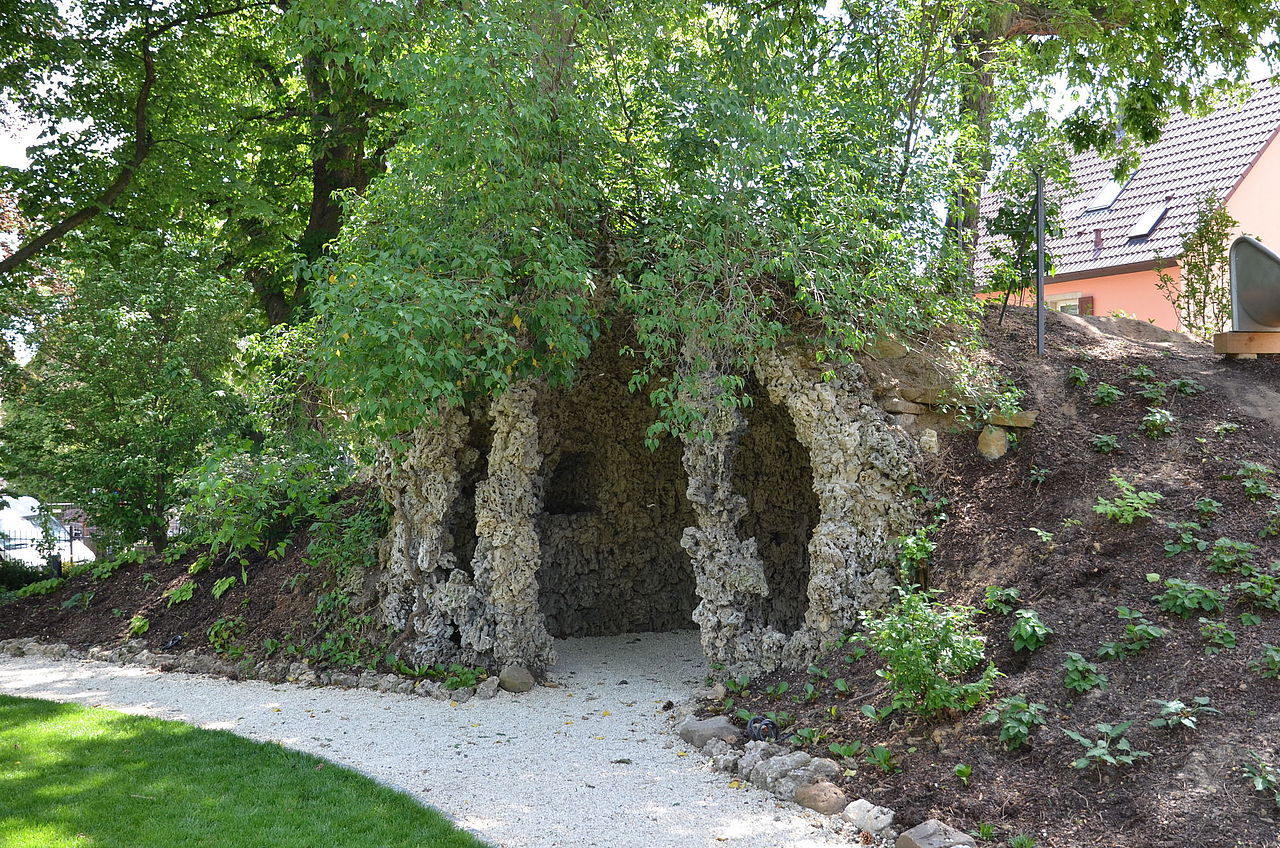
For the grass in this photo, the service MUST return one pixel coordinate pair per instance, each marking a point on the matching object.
(72, 775)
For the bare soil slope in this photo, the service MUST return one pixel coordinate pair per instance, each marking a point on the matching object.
(1189, 791)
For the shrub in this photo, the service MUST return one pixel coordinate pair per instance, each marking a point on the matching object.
(1018, 719)
(928, 649)
(1028, 631)
(1186, 386)
(224, 635)
(1261, 590)
(1077, 376)
(1153, 393)
(1186, 598)
(1129, 505)
(139, 625)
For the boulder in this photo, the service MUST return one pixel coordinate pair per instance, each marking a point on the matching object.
(824, 796)
(516, 678)
(993, 442)
(934, 834)
(784, 774)
(698, 732)
(866, 816)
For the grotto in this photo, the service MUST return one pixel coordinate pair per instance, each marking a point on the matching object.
(543, 515)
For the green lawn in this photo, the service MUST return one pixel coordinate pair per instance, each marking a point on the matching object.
(74, 776)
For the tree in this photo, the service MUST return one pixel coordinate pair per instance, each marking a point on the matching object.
(240, 118)
(1201, 294)
(724, 179)
(126, 386)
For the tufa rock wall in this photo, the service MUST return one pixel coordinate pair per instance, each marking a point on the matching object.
(545, 515)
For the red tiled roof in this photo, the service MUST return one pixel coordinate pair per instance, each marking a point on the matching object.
(1194, 156)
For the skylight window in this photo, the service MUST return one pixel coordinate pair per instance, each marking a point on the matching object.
(1149, 220)
(1107, 195)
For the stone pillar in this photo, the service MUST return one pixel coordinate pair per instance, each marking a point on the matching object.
(508, 556)
(415, 560)
(863, 469)
(727, 569)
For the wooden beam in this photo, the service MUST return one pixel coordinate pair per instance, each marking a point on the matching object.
(1246, 344)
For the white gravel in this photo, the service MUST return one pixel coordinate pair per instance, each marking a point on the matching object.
(539, 769)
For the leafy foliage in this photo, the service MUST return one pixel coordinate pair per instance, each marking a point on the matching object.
(928, 649)
(1129, 505)
(1201, 293)
(1018, 718)
(1108, 746)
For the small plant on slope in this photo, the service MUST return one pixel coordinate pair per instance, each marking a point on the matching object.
(1018, 719)
(1081, 675)
(1177, 714)
(1262, 776)
(928, 647)
(1268, 665)
(1028, 631)
(1001, 600)
(1208, 507)
(1139, 634)
(1187, 598)
(1157, 423)
(1105, 394)
(1229, 555)
(1129, 505)
(1110, 747)
(1218, 635)
(1105, 443)
(1186, 540)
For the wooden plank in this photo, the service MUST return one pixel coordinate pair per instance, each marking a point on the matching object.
(1246, 343)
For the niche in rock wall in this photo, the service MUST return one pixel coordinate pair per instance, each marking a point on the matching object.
(771, 470)
(613, 511)
(473, 466)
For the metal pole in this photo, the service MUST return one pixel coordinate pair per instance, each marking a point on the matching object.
(1039, 263)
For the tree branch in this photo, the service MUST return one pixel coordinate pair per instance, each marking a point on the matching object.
(142, 145)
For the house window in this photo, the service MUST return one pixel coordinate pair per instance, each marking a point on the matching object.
(1068, 303)
(1148, 221)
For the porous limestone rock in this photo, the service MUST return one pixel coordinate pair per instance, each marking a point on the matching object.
(515, 678)
(934, 834)
(864, 815)
(543, 514)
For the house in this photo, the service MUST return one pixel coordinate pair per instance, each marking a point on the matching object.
(1115, 235)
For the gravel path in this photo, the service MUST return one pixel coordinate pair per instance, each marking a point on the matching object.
(548, 768)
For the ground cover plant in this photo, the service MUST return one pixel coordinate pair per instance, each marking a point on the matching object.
(73, 775)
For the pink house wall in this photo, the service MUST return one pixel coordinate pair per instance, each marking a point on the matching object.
(1133, 294)
(1255, 203)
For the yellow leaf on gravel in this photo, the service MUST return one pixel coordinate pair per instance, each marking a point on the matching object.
(605, 713)
(735, 784)
(682, 753)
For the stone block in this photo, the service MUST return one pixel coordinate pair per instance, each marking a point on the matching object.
(934, 834)
(698, 732)
(864, 815)
(1021, 418)
(993, 442)
(900, 405)
(825, 797)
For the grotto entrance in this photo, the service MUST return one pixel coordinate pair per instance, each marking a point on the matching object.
(771, 471)
(613, 512)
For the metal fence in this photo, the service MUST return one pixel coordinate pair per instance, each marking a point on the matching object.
(40, 553)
